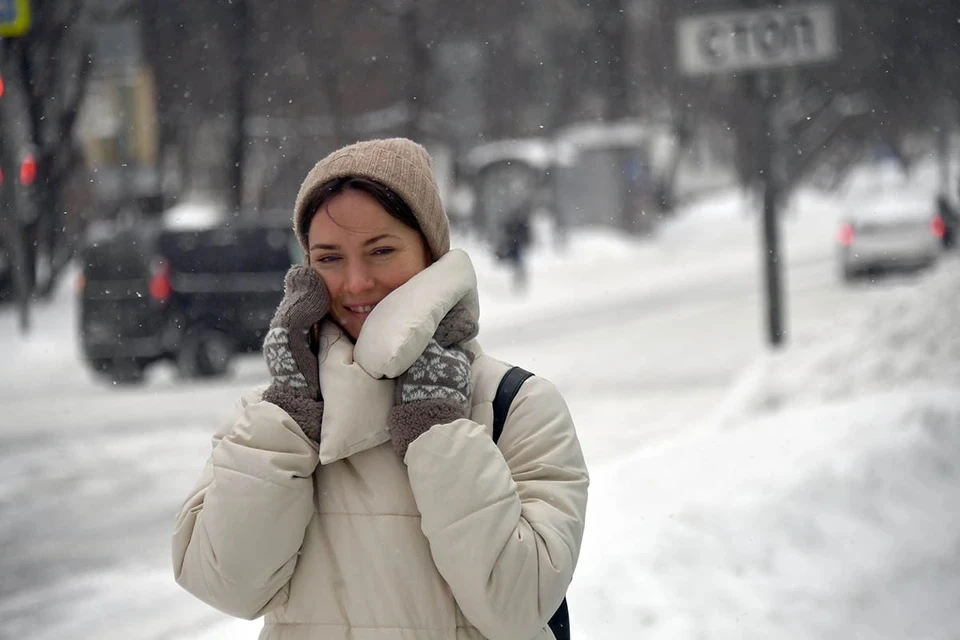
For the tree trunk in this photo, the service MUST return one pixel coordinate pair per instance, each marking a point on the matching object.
(11, 225)
(241, 33)
(614, 32)
(419, 68)
(53, 88)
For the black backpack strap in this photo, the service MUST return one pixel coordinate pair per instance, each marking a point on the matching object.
(510, 384)
(560, 622)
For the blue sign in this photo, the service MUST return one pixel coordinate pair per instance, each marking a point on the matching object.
(14, 18)
(8, 10)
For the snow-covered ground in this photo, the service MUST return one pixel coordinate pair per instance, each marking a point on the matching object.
(808, 496)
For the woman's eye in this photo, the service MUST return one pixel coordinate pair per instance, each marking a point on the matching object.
(383, 251)
(326, 259)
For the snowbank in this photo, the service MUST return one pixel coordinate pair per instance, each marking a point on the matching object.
(909, 339)
(820, 505)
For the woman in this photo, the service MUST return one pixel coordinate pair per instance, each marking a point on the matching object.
(360, 495)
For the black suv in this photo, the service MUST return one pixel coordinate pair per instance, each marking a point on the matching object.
(192, 296)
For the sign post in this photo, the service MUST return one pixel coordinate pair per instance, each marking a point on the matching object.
(761, 40)
(770, 154)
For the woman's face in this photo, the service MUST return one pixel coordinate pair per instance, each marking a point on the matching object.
(362, 253)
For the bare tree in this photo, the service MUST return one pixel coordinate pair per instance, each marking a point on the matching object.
(49, 67)
(613, 33)
(323, 74)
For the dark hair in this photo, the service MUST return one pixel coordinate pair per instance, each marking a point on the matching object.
(385, 196)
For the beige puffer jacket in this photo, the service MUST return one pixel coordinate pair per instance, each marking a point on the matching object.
(466, 540)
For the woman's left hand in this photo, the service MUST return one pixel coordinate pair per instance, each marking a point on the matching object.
(438, 386)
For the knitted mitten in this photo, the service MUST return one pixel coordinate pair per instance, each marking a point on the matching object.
(437, 387)
(294, 369)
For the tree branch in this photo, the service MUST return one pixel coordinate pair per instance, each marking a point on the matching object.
(71, 105)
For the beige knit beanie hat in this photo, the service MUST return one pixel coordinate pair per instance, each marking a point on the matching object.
(400, 164)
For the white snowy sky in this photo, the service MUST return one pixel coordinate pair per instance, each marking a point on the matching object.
(736, 493)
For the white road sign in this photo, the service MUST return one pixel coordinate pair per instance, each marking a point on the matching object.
(757, 39)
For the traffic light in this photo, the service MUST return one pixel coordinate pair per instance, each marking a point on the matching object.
(28, 170)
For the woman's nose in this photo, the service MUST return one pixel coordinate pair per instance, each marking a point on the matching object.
(358, 278)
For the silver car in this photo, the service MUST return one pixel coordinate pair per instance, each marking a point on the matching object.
(896, 231)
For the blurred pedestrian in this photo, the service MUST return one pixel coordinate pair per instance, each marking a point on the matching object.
(513, 243)
(360, 494)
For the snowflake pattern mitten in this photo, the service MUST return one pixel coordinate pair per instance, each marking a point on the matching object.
(436, 389)
(294, 369)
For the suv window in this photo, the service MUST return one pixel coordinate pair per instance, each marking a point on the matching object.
(120, 259)
(228, 250)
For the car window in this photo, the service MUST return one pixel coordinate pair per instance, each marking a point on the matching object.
(221, 251)
(122, 258)
(273, 246)
(895, 209)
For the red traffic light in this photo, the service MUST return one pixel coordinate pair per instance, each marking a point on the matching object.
(28, 170)
(1, 87)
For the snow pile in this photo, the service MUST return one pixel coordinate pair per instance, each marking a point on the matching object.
(831, 516)
(797, 526)
(909, 338)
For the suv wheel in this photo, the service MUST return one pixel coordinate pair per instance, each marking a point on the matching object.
(205, 353)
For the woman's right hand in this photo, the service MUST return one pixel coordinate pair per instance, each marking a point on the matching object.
(294, 368)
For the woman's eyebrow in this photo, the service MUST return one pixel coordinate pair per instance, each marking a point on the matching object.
(373, 240)
(378, 238)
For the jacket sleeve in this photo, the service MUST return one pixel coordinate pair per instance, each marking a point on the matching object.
(239, 532)
(504, 528)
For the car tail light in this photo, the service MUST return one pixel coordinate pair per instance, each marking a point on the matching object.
(939, 227)
(846, 234)
(160, 287)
